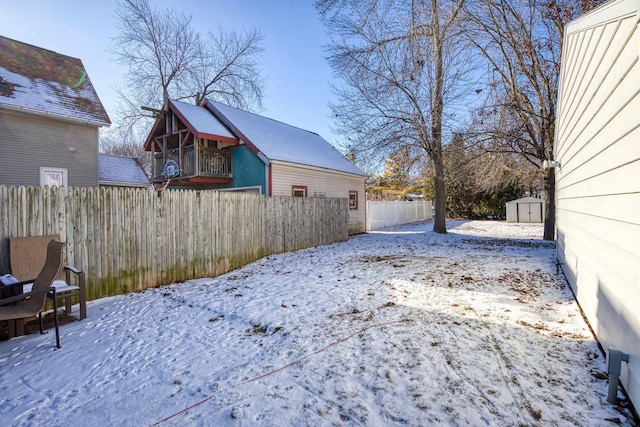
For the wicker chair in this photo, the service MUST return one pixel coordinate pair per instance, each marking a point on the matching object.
(28, 304)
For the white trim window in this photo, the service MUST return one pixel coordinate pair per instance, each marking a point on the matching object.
(53, 177)
(299, 191)
(353, 200)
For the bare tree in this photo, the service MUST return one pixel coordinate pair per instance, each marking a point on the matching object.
(230, 71)
(493, 171)
(120, 142)
(402, 63)
(159, 48)
(167, 58)
(522, 40)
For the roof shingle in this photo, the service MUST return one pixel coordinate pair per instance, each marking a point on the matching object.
(124, 171)
(47, 82)
(282, 142)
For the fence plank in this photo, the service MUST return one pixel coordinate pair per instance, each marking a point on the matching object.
(131, 239)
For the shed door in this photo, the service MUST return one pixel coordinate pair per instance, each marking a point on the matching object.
(529, 212)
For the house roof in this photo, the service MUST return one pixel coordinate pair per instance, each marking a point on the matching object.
(122, 171)
(45, 82)
(201, 122)
(198, 120)
(278, 141)
(526, 200)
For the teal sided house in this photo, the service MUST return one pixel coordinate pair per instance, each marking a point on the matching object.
(220, 147)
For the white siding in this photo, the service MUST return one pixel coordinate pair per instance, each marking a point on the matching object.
(598, 184)
(321, 183)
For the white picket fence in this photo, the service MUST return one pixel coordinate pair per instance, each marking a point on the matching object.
(387, 214)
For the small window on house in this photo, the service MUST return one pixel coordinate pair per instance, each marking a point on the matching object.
(353, 200)
(208, 143)
(53, 177)
(299, 191)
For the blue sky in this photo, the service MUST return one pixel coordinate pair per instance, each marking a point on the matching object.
(296, 72)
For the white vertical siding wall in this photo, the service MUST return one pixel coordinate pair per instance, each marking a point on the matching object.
(321, 183)
(598, 184)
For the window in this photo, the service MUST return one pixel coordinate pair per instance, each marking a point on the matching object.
(208, 143)
(53, 177)
(299, 191)
(353, 200)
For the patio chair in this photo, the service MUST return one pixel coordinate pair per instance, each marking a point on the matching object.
(27, 256)
(28, 304)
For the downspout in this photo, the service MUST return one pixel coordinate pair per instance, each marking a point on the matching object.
(267, 174)
(614, 366)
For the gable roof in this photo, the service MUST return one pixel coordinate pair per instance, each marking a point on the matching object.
(198, 120)
(278, 141)
(121, 171)
(45, 82)
(201, 122)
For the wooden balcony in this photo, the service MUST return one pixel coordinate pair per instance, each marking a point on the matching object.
(197, 167)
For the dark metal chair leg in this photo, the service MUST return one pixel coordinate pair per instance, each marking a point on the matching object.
(55, 317)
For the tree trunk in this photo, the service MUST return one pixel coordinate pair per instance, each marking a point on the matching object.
(437, 109)
(550, 205)
(439, 222)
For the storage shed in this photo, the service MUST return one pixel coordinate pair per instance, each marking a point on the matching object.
(526, 209)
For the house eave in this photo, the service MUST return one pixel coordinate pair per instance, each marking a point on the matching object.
(124, 184)
(317, 168)
(175, 110)
(220, 138)
(48, 114)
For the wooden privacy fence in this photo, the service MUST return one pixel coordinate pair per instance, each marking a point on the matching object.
(132, 239)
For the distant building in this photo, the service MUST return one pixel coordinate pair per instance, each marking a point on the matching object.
(50, 115)
(526, 209)
(116, 171)
(216, 146)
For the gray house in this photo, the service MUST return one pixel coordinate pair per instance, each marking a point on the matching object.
(50, 115)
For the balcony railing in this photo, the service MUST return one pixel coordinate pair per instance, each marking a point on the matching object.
(212, 163)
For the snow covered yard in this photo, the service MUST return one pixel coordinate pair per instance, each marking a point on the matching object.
(398, 327)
